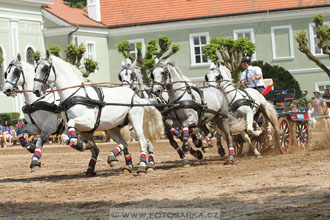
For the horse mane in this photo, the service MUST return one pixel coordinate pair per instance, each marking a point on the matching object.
(72, 67)
(226, 71)
(174, 69)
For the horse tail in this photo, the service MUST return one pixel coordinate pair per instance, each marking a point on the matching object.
(124, 131)
(153, 127)
(272, 114)
(236, 125)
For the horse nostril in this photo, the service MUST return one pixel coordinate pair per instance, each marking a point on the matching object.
(8, 91)
(37, 93)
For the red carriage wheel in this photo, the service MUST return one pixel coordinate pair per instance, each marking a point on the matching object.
(285, 135)
(300, 134)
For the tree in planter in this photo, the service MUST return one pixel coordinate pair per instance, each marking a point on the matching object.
(282, 79)
(74, 54)
(163, 50)
(323, 34)
(55, 50)
(90, 66)
(231, 52)
(36, 56)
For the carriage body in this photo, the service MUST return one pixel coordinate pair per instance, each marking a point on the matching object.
(294, 125)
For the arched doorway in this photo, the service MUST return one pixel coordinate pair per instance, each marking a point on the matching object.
(29, 56)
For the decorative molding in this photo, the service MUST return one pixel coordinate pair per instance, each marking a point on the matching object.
(305, 71)
(48, 32)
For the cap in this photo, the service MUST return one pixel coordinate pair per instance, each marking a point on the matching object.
(317, 92)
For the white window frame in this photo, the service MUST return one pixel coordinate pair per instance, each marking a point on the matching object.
(94, 52)
(33, 48)
(273, 28)
(323, 84)
(192, 48)
(141, 40)
(251, 31)
(4, 63)
(312, 35)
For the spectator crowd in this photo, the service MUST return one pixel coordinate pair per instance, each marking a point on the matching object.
(8, 133)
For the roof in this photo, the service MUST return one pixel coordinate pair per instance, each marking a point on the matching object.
(120, 13)
(71, 15)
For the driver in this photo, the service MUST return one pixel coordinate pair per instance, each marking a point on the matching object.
(252, 75)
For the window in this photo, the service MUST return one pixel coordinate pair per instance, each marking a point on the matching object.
(314, 40)
(197, 42)
(90, 49)
(321, 86)
(282, 42)
(29, 57)
(133, 44)
(2, 69)
(245, 33)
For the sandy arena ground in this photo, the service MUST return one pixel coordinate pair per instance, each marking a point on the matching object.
(295, 186)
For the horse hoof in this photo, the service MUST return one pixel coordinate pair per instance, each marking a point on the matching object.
(198, 143)
(31, 148)
(199, 154)
(229, 162)
(142, 170)
(34, 165)
(73, 141)
(221, 152)
(185, 163)
(258, 156)
(151, 168)
(112, 161)
(127, 169)
(90, 172)
(205, 149)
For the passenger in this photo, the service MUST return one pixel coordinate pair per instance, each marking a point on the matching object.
(311, 115)
(325, 113)
(317, 101)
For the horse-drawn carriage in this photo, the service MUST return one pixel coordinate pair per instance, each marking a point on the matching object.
(293, 124)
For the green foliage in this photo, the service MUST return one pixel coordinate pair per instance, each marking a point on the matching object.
(74, 54)
(55, 50)
(323, 34)
(161, 49)
(229, 52)
(282, 79)
(36, 56)
(77, 3)
(90, 66)
(11, 117)
(1, 60)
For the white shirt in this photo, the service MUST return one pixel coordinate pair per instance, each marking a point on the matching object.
(252, 71)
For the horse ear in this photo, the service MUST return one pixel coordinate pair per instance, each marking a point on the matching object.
(156, 60)
(218, 63)
(47, 54)
(123, 64)
(128, 62)
(134, 63)
(19, 57)
(212, 66)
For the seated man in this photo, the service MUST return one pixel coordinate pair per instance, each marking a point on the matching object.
(252, 75)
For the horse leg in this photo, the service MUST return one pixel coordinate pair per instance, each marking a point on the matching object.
(249, 121)
(29, 129)
(186, 146)
(88, 138)
(81, 145)
(135, 117)
(221, 149)
(151, 160)
(122, 146)
(223, 124)
(253, 148)
(176, 147)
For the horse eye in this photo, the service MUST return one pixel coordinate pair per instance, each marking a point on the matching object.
(45, 69)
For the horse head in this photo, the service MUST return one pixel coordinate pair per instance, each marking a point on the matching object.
(160, 76)
(43, 75)
(216, 74)
(129, 74)
(13, 77)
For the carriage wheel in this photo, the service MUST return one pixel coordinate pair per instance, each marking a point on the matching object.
(300, 134)
(285, 136)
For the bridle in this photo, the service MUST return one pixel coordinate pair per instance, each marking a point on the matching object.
(18, 67)
(133, 75)
(218, 78)
(165, 76)
(46, 70)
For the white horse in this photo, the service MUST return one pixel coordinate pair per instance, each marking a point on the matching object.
(195, 107)
(245, 104)
(132, 77)
(40, 113)
(88, 108)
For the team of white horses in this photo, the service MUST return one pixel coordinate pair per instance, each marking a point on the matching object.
(174, 101)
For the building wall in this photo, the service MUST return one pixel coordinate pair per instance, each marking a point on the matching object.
(301, 67)
(20, 28)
